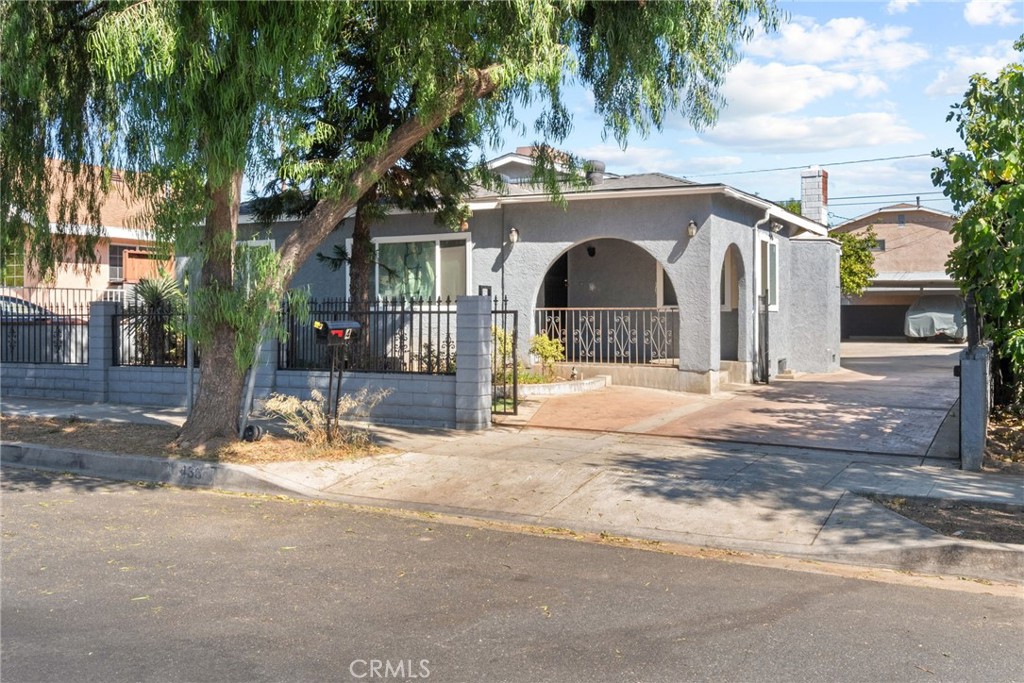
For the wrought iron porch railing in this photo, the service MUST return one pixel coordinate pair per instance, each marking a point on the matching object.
(628, 336)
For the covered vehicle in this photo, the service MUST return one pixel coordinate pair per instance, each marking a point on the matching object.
(937, 316)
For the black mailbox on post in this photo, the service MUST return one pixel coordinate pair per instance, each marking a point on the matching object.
(336, 332)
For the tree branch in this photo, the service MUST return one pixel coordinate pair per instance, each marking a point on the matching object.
(314, 228)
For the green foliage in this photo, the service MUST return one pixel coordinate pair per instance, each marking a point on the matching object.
(792, 205)
(186, 97)
(549, 351)
(503, 350)
(986, 185)
(157, 295)
(157, 324)
(857, 260)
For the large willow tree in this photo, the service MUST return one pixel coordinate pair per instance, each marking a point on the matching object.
(188, 97)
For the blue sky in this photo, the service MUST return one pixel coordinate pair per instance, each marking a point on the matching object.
(840, 82)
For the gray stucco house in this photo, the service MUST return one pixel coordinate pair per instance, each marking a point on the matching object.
(655, 280)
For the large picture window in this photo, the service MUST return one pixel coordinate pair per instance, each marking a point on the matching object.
(421, 267)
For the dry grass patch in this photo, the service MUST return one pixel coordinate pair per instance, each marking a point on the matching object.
(158, 441)
(1004, 448)
(997, 522)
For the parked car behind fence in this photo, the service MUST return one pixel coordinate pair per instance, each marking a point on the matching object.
(36, 334)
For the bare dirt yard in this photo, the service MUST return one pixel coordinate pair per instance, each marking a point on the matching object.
(158, 441)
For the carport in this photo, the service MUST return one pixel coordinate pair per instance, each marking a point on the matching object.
(890, 398)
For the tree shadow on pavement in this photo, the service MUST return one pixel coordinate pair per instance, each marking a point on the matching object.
(19, 480)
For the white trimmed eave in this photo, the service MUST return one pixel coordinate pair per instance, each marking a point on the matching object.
(112, 232)
(773, 210)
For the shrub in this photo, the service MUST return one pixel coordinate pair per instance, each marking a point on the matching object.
(549, 351)
(309, 422)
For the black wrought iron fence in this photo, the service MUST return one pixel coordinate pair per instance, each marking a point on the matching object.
(142, 338)
(43, 325)
(504, 361)
(633, 336)
(413, 336)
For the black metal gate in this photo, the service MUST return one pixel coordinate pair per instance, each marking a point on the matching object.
(504, 364)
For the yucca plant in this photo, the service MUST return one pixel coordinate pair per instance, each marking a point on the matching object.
(155, 305)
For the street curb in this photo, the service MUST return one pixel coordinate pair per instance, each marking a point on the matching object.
(970, 559)
(185, 473)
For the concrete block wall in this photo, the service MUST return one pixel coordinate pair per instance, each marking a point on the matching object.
(64, 382)
(148, 386)
(975, 404)
(461, 401)
(413, 400)
(473, 363)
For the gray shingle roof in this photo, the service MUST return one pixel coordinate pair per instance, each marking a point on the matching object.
(611, 183)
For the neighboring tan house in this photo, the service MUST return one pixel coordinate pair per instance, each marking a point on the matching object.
(122, 257)
(655, 280)
(910, 260)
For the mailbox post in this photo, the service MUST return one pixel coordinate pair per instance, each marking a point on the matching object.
(336, 335)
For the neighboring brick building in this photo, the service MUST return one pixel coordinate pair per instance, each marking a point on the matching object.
(123, 256)
(913, 245)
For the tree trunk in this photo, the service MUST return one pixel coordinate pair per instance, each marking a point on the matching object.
(221, 382)
(215, 412)
(362, 257)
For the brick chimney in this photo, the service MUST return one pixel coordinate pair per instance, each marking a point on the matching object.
(814, 194)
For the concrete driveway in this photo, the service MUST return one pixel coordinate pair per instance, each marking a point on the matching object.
(889, 398)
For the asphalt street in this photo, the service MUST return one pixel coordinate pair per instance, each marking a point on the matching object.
(107, 581)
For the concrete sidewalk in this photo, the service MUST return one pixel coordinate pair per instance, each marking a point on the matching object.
(766, 499)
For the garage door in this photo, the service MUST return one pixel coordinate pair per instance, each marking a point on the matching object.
(872, 321)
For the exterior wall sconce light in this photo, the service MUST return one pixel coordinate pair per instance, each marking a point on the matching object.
(513, 235)
(691, 228)
(776, 226)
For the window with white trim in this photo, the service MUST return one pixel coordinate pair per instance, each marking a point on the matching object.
(421, 267)
(14, 267)
(770, 273)
(247, 252)
(116, 261)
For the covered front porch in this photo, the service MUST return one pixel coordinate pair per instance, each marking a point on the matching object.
(615, 309)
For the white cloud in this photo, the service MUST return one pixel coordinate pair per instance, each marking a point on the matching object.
(777, 88)
(658, 160)
(988, 12)
(900, 6)
(847, 43)
(962, 64)
(707, 165)
(813, 134)
(631, 159)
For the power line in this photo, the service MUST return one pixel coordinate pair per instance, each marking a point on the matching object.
(923, 201)
(794, 168)
(899, 194)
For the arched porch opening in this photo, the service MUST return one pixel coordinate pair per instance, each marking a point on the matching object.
(610, 302)
(729, 298)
